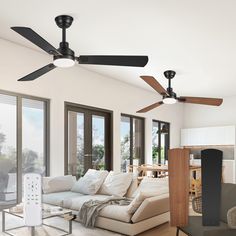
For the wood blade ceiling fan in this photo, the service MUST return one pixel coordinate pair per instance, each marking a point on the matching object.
(65, 57)
(170, 97)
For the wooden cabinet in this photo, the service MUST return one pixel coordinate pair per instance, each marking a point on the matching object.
(178, 168)
(223, 135)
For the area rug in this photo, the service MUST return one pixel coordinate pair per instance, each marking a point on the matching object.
(77, 228)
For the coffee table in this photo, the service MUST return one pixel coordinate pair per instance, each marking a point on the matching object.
(45, 215)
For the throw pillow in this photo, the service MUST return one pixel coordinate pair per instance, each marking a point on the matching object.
(159, 185)
(91, 182)
(116, 184)
(133, 186)
(231, 217)
(58, 184)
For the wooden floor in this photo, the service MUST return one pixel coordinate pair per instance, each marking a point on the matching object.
(162, 230)
(165, 229)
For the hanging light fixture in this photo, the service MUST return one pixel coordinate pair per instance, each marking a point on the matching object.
(164, 129)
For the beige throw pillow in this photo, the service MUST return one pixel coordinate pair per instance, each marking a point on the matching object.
(159, 185)
(231, 217)
(116, 184)
(91, 182)
(58, 184)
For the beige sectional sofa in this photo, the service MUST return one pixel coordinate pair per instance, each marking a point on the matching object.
(152, 212)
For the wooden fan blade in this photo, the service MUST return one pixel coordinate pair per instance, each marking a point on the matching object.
(201, 100)
(154, 84)
(146, 109)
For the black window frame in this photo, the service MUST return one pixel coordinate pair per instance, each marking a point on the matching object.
(167, 147)
(131, 117)
(69, 106)
(19, 98)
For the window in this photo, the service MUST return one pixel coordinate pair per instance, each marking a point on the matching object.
(132, 141)
(23, 142)
(160, 141)
(88, 142)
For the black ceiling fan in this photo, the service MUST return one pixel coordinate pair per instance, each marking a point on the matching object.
(65, 57)
(170, 97)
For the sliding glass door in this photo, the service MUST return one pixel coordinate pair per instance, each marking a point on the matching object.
(88, 139)
(24, 124)
(33, 133)
(132, 141)
(8, 146)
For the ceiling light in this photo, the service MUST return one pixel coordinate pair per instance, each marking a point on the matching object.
(64, 62)
(169, 100)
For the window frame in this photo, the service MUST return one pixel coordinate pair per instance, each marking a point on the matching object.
(19, 98)
(160, 122)
(142, 159)
(69, 106)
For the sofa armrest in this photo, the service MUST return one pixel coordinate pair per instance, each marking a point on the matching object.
(152, 206)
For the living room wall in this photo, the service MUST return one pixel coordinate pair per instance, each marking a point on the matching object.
(203, 116)
(78, 85)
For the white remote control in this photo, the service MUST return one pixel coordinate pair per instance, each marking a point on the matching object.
(32, 199)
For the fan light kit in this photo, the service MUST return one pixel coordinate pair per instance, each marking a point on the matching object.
(63, 62)
(65, 57)
(169, 100)
(170, 97)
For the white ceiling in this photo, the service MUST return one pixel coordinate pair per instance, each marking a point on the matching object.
(195, 38)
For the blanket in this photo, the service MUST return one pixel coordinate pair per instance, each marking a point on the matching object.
(90, 209)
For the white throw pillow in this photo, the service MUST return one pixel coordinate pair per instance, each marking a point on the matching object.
(137, 201)
(58, 184)
(159, 185)
(116, 184)
(133, 186)
(91, 182)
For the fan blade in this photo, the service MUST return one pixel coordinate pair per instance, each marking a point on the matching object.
(139, 61)
(157, 104)
(36, 39)
(34, 75)
(154, 84)
(201, 100)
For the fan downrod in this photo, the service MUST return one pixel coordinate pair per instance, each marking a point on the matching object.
(64, 21)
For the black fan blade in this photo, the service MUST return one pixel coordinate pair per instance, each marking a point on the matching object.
(36, 39)
(34, 75)
(139, 61)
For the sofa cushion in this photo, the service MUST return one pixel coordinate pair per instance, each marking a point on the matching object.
(159, 185)
(228, 199)
(91, 182)
(58, 184)
(116, 212)
(77, 202)
(139, 198)
(151, 207)
(195, 228)
(116, 184)
(59, 197)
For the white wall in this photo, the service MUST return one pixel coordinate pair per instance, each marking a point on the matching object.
(84, 87)
(204, 116)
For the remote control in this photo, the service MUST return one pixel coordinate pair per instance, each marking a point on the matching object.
(32, 199)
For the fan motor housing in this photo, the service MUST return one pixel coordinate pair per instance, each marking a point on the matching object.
(171, 94)
(65, 50)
